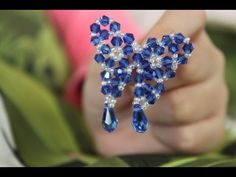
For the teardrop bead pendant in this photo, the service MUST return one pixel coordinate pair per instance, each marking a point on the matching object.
(140, 121)
(109, 120)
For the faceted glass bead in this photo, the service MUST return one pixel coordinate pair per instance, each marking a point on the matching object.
(104, 20)
(95, 28)
(114, 26)
(115, 92)
(179, 38)
(95, 40)
(109, 121)
(166, 61)
(166, 40)
(146, 52)
(159, 50)
(147, 88)
(139, 91)
(173, 48)
(137, 58)
(124, 62)
(105, 49)
(151, 98)
(116, 41)
(99, 58)
(109, 62)
(106, 89)
(188, 48)
(128, 38)
(151, 42)
(159, 88)
(104, 34)
(127, 50)
(105, 75)
(118, 71)
(182, 59)
(139, 122)
(169, 73)
(159, 73)
(139, 78)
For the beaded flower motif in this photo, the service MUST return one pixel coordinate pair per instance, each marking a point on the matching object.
(124, 60)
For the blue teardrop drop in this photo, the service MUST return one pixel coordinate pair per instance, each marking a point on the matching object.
(140, 122)
(109, 121)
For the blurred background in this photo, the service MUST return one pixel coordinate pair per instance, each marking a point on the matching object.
(39, 128)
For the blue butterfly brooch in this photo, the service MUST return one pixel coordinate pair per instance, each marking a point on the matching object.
(124, 60)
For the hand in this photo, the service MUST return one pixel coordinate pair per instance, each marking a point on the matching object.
(190, 115)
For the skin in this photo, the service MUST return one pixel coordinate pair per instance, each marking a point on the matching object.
(190, 115)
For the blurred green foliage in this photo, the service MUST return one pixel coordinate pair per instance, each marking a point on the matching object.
(50, 132)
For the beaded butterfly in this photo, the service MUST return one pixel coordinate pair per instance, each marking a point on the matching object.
(156, 60)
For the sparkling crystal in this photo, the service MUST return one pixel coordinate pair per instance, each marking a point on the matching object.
(95, 28)
(179, 38)
(139, 122)
(104, 34)
(116, 41)
(109, 121)
(104, 20)
(128, 38)
(114, 27)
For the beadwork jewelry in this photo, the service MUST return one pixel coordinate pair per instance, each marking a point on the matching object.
(156, 60)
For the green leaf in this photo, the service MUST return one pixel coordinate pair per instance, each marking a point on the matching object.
(39, 109)
(31, 149)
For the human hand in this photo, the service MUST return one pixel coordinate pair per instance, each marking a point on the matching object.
(189, 116)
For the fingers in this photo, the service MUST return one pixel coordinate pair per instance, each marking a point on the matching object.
(205, 62)
(194, 138)
(186, 22)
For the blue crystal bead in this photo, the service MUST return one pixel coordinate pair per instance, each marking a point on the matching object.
(139, 91)
(173, 48)
(166, 40)
(179, 38)
(95, 28)
(147, 88)
(109, 121)
(139, 78)
(104, 34)
(128, 38)
(125, 78)
(148, 75)
(158, 73)
(105, 75)
(159, 88)
(124, 62)
(99, 58)
(137, 58)
(181, 59)
(166, 61)
(104, 20)
(188, 48)
(151, 42)
(151, 98)
(114, 26)
(105, 49)
(115, 82)
(115, 92)
(169, 73)
(109, 62)
(159, 50)
(145, 64)
(118, 71)
(95, 40)
(116, 41)
(146, 52)
(106, 89)
(127, 50)
(139, 122)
